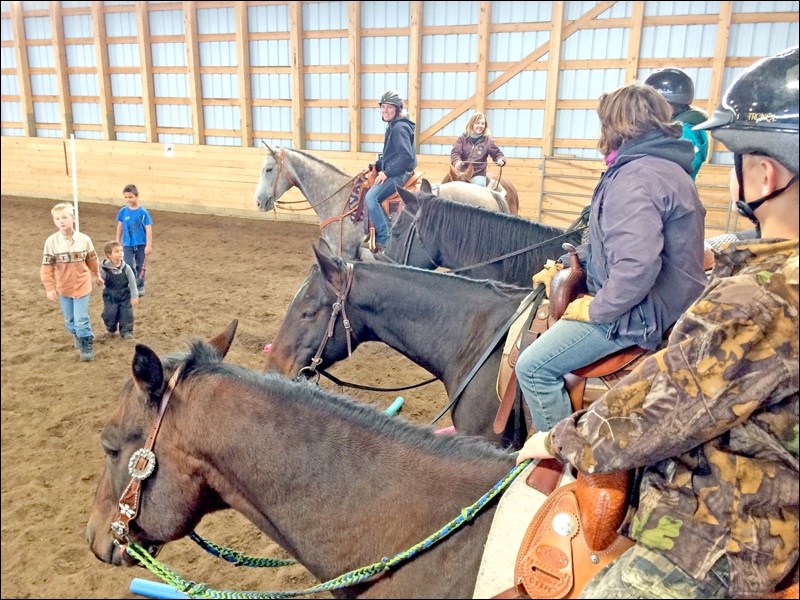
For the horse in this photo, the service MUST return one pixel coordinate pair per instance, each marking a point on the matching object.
(452, 326)
(468, 193)
(431, 232)
(511, 195)
(313, 470)
(328, 189)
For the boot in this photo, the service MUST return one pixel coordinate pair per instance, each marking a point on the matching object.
(86, 348)
(77, 341)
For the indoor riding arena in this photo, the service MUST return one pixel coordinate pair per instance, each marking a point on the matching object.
(186, 100)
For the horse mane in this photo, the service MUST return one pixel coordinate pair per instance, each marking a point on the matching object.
(202, 360)
(321, 162)
(477, 234)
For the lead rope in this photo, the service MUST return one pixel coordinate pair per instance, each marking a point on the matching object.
(354, 577)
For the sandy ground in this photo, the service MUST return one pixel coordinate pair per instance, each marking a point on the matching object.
(204, 272)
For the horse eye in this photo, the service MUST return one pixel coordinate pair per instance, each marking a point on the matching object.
(308, 315)
(110, 452)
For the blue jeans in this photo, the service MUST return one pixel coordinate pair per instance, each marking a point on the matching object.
(134, 256)
(76, 315)
(479, 180)
(373, 198)
(566, 346)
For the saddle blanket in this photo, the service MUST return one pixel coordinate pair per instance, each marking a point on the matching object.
(515, 511)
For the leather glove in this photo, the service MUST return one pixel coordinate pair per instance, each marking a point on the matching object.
(459, 165)
(545, 276)
(578, 309)
(501, 163)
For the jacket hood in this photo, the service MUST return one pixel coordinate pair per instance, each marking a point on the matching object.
(657, 143)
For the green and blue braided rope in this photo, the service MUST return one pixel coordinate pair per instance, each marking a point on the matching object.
(200, 590)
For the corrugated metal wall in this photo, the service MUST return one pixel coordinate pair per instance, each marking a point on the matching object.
(209, 110)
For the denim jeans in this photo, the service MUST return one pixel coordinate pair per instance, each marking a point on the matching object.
(76, 315)
(134, 256)
(566, 346)
(377, 194)
(479, 180)
(643, 573)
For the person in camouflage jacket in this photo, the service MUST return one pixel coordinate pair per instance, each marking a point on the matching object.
(712, 419)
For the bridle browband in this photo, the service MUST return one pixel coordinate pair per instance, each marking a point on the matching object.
(338, 306)
(141, 465)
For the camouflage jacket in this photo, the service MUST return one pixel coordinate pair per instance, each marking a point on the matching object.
(713, 418)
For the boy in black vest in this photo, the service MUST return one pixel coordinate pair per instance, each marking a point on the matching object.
(120, 293)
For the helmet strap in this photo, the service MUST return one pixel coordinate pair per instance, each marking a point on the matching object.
(747, 209)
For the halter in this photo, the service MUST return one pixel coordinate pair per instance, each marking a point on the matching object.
(337, 307)
(141, 465)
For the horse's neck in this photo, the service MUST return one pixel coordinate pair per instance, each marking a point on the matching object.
(445, 329)
(339, 495)
(322, 185)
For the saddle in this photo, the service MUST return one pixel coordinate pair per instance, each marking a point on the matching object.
(567, 285)
(390, 204)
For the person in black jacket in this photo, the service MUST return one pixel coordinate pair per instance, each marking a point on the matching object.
(396, 164)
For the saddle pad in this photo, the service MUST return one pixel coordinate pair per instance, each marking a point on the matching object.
(512, 341)
(514, 512)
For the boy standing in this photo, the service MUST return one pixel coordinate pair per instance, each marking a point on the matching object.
(135, 233)
(67, 267)
(120, 293)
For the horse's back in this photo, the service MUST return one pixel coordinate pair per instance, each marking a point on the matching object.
(476, 195)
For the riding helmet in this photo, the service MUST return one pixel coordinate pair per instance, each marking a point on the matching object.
(675, 85)
(759, 112)
(391, 97)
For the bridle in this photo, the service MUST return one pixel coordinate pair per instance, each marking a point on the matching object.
(338, 306)
(412, 233)
(141, 465)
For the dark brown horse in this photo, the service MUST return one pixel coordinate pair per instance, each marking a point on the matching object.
(512, 198)
(452, 326)
(338, 484)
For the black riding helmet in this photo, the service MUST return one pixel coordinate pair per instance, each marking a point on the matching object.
(759, 115)
(391, 97)
(675, 85)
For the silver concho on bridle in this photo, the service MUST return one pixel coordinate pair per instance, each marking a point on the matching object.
(147, 469)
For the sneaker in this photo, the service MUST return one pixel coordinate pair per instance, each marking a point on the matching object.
(141, 291)
(127, 336)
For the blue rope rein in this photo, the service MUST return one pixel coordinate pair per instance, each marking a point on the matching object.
(356, 576)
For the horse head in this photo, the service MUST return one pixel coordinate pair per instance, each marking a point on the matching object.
(274, 179)
(405, 246)
(167, 504)
(456, 175)
(322, 340)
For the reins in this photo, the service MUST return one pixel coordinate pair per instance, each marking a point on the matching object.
(351, 578)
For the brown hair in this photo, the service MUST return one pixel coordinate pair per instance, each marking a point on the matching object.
(130, 188)
(475, 116)
(630, 111)
(109, 246)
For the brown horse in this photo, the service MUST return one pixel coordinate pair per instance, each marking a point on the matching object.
(336, 483)
(512, 198)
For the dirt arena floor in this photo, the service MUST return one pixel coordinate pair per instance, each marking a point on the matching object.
(204, 271)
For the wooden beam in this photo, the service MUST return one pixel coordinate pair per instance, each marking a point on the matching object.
(634, 41)
(518, 67)
(414, 63)
(298, 85)
(193, 74)
(60, 60)
(353, 72)
(718, 72)
(23, 71)
(482, 73)
(103, 79)
(146, 70)
(243, 74)
(553, 72)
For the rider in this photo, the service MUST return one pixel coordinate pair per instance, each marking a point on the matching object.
(474, 147)
(396, 164)
(678, 89)
(713, 417)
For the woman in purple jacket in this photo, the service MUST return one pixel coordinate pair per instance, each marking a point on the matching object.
(644, 257)
(474, 147)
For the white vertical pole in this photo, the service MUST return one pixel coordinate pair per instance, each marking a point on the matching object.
(74, 180)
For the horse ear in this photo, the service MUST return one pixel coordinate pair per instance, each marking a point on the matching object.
(270, 149)
(222, 341)
(328, 266)
(470, 171)
(147, 371)
(425, 186)
(409, 198)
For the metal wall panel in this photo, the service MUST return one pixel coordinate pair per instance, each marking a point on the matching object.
(86, 113)
(325, 51)
(658, 9)
(173, 115)
(9, 85)
(588, 84)
(761, 39)
(221, 117)
(219, 85)
(217, 54)
(170, 85)
(44, 84)
(46, 112)
(166, 22)
(86, 134)
(449, 48)
(385, 14)
(447, 85)
(389, 50)
(269, 53)
(765, 7)
(40, 57)
(130, 136)
(276, 86)
(320, 16)
(511, 46)
(77, 26)
(273, 118)
(8, 58)
(6, 27)
(126, 84)
(80, 55)
(175, 138)
(121, 24)
(168, 54)
(37, 28)
(678, 41)
(326, 86)
(48, 133)
(123, 55)
(528, 85)
(442, 13)
(215, 20)
(522, 12)
(12, 111)
(215, 140)
(267, 18)
(76, 4)
(128, 114)
(82, 84)
(596, 44)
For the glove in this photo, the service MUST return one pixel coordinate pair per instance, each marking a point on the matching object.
(501, 163)
(459, 165)
(578, 309)
(545, 276)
